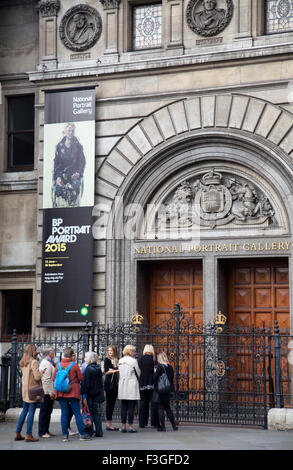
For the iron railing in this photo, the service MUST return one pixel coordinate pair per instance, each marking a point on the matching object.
(223, 374)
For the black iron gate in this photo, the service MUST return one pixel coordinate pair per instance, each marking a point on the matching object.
(223, 374)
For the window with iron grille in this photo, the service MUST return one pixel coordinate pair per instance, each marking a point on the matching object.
(147, 26)
(279, 16)
(20, 133)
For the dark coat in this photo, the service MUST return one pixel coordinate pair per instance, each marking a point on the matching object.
(147, 366)
(163, 397)
(92, 385)
(108, 378)
(70, 160)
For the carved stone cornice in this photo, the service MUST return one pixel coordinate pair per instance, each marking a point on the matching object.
(48, 7)
(110, 4)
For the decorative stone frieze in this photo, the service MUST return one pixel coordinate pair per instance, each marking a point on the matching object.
(219, 200)
(206, 19)
(80, 27)
(48, 7)
(110, 4)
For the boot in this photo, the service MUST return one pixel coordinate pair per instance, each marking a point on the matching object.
(30, 438)
(18, 437)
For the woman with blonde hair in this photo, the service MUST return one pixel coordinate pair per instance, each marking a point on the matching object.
(163, 399)
(147, 365)
(31, 377)
(128, 387)
(111, 383)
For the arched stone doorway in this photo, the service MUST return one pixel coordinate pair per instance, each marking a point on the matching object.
(237, 136)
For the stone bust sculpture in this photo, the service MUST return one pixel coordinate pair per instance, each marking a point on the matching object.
(205, 18)
(80, 27)
(211, 16)
(82, 30)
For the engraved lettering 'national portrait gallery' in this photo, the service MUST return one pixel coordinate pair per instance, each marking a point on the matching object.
(209, 17)
(80, 27)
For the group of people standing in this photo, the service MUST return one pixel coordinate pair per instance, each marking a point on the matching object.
(130, 380)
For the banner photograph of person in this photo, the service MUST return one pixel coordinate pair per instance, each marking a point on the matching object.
(68, 156)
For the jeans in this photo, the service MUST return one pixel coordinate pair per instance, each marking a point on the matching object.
(46, 409)
(75, 405)
(27, 409)
(95, 412)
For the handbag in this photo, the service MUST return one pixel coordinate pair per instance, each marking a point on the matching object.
(163, 384)
(87, 419)
(36, 393)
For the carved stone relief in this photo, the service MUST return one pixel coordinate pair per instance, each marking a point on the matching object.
(80, 27)
(110, 4)
(219, 200)
(205, 18)
(48, 7)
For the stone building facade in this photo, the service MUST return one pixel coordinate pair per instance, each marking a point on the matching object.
(194, 113)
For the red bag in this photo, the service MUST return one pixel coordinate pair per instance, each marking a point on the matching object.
(86, 416)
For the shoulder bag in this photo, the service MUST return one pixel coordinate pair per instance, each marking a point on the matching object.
(36, 393)
(163, 384)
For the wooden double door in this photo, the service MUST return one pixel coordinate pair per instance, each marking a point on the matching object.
(256, 291)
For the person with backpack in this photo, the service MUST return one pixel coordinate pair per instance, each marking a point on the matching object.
(67, 377)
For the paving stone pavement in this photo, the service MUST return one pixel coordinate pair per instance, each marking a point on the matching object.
(188, 437)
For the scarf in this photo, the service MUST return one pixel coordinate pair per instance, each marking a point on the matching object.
(48, 358)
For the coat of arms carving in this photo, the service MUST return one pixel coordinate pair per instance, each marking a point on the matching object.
(219, 200)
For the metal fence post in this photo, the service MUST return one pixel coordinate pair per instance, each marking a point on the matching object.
(278, 372)
(13, 371)
(178, 313)
(86, 338)
(4, 380)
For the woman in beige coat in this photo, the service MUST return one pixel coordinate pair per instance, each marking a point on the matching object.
(31, 377)
(128, 387)
(48, 365)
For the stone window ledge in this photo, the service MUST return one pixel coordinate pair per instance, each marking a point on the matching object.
(21, 181)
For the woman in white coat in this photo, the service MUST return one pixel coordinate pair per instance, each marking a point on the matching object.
(128, 387)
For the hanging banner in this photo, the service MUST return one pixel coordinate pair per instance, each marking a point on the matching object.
(68, 200)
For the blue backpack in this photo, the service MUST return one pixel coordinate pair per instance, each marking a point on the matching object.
(62, 382)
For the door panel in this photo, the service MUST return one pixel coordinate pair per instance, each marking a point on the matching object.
(258, 296)
(176, 282)
(259, 292)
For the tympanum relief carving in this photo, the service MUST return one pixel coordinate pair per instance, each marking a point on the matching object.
(218, 200)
